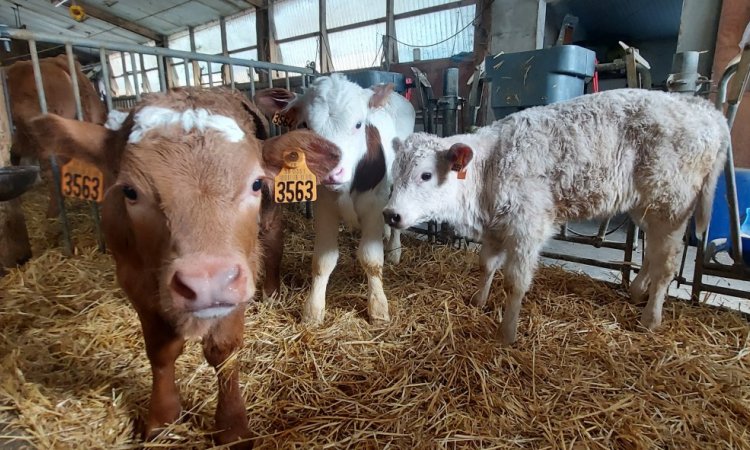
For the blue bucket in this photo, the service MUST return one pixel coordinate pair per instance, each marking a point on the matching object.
(719, 228)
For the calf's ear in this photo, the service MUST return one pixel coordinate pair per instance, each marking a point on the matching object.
(278, 103)
(86, 141)
(459, 156)
(381, 93)
(321, 155)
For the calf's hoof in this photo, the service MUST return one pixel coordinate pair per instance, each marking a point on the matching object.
(393, 257)
(237, 437)
(377, 310)
(507, 334)
(477, 300)
(650, 320)
(312, 315)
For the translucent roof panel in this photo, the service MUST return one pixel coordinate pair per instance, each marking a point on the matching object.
(299, 53)
(402, 6)
(357, 48)
(180, 41)
(436, 28)
(208, 39)
(295, 17)
(241, 31)
(346, 12)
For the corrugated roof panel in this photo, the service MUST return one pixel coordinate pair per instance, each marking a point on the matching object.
(295, 17)
(450, 31)
(357, 48)
(346, 12)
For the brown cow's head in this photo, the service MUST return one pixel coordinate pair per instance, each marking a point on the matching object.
(184, 175)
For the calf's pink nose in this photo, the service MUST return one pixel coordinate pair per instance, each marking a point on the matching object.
(209, 282)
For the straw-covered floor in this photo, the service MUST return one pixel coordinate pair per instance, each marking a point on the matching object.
(582, 374)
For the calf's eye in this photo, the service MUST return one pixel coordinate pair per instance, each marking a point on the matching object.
(130, 193)
(257, 185)
(427, 176)
(358, 125)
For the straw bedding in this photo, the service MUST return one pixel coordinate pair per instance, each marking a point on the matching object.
(582, 374)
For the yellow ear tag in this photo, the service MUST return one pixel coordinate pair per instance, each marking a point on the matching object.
(82, 180)
(295, 182)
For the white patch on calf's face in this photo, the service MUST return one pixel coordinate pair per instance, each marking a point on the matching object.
(151, 117)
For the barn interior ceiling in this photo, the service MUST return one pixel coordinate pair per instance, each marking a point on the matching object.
(134, 21)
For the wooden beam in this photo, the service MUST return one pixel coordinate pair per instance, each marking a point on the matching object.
(326, 64)
(390, 47)
(258, 4)
(102, 14)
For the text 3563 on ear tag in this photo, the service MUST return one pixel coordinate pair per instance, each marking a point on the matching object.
(82, 180)
(295, 182)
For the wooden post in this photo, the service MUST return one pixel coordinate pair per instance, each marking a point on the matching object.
(14, 238)
(390, 49)
(326, 65)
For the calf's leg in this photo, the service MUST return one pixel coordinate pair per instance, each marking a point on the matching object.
(325, 255)
(664, 242)
(272, 239)
(490, 258)
(523, 247)
(370, 255)
(163, 346)
(393, 246)
(231, 416)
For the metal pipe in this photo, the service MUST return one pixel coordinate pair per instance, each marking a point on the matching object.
(79, 116)
(187, 71)
(158, 51)
(144, 79)
(231, 76)
(162, 74)
(210, 76)
(105, 77)
(67, 244)
(135, 78)
(251, 72)
(74, 81)
(288, 84)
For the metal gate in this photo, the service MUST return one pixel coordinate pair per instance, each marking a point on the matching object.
(264, 70)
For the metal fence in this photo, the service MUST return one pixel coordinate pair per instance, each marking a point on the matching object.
(265, 71)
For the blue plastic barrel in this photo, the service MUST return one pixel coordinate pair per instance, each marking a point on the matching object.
(719, 228)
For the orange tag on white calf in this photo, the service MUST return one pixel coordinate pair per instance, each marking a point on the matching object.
(461, 174)
(295, 182)
(82, 180)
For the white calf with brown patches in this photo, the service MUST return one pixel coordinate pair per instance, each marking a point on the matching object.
(654, 155)
(363, 124)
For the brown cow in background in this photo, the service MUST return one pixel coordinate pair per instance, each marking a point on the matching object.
(58, 90)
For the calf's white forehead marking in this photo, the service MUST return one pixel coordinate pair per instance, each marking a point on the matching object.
(151, 117)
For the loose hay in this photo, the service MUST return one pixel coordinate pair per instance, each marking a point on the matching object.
(582, 374)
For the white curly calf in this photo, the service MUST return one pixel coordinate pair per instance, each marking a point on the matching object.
(654, 155)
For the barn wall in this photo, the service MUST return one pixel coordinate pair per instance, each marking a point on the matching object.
(735, 15)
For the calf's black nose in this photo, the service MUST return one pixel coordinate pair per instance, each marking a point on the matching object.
(392, 218)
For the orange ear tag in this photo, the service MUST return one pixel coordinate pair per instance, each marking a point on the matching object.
(82, 181)
(461, 174)
(295, 182)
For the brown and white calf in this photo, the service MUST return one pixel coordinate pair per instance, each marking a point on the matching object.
(654, 155)
(363, 124)
(58, 92)
(184, 174)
